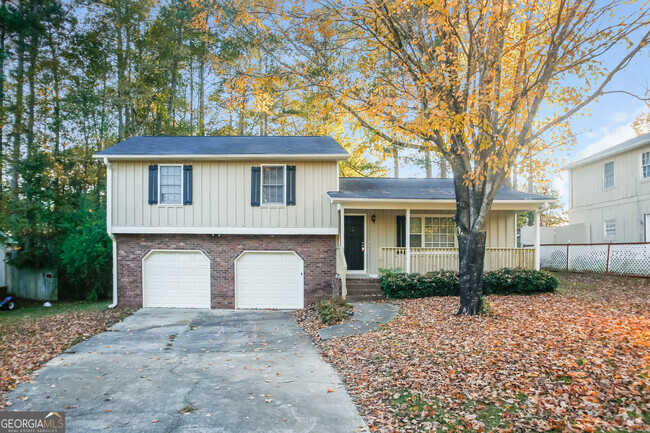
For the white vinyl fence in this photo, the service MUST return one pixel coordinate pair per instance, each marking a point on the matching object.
(624, 259)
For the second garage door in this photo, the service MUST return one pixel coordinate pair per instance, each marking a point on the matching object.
(176, 279)
(269, 280)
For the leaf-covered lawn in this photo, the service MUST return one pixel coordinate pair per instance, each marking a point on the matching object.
(577, 360)
(31, 335)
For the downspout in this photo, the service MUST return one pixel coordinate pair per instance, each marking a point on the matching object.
(109, 226)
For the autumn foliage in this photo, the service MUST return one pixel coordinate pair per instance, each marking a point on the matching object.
(574, 361)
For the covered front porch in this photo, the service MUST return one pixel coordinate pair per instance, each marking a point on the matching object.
(414, 234)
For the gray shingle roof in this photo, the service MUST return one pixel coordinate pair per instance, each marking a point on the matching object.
(379, 188)
(225, 146)
(631, 144)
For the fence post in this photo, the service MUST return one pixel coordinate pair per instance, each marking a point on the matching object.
(607, 263)
(567, 257)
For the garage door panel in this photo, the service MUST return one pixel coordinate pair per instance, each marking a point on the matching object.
(269, 280)
(176, 279)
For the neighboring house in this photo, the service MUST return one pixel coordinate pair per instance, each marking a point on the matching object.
(609, 192)
(265, 222)
(4, 241)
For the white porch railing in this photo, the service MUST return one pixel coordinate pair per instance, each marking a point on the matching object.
(432, 259)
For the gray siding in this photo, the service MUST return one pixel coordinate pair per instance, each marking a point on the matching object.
(626, 203)
(221, 197)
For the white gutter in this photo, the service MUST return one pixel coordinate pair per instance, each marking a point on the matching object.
(109, 226)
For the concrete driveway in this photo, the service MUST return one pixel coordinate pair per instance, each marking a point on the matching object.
(194, 371)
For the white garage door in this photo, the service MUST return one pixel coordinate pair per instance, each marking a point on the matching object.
(176, 279)
(269, 280)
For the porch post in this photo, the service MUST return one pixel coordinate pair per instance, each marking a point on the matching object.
(537, 239)
(408, 241)
(342, 234)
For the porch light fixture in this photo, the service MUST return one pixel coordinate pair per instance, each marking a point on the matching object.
(373, 218)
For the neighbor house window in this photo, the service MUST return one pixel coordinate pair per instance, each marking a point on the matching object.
(610, 228)
(645, 165)
(171, 186)
(608, 175)
(273, 184)
(433, 232)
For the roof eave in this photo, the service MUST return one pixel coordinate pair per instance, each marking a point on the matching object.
(274, 157)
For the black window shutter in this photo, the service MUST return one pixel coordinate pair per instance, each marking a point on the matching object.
(153, 184)
(256, 185)
(187, 184)
(401, 230)
(291, 185)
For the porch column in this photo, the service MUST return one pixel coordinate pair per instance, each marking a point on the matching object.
(342, 234)
(537, 238)
(408, 241)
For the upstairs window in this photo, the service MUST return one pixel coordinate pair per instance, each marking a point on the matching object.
(645, 165)
(433, 232)
(273, 178)
(171, 184)
(610, 228)
(608, 175)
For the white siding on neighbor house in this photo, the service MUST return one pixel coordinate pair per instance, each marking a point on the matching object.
(626, 203)
(222, 197)
(383, 232)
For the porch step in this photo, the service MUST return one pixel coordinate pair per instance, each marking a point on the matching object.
(364, 289)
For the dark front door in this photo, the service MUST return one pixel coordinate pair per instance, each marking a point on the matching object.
(354, 243)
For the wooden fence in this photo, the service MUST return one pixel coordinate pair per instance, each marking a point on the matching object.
(38, 284)
(432, 259)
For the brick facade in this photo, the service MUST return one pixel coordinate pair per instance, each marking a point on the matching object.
(318, 253)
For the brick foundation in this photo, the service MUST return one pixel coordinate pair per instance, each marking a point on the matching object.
(318, 253)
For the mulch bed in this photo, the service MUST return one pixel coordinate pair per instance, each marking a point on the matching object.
(576, 360)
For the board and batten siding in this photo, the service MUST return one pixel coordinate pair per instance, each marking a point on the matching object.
(383, 232)
(626, 203)
(222, 197)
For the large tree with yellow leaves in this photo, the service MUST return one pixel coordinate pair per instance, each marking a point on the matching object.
(485, 83)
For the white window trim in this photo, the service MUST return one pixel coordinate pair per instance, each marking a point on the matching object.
(422, 216)
(607, 188)
(284, 185)
(643, 179)
(609, 221)
(160, 186)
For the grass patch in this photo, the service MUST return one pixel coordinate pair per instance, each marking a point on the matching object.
(27, 310)
(187, 409)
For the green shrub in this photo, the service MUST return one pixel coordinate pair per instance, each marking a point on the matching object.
(402, 285)
(506, 281)
(333, 310)
(518, 281)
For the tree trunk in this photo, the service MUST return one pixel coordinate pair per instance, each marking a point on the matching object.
(395, 152)
(2, 106)
(427, 164)
(31, 100)
(443, 167)
(18, 112)
(202, 93)
(471, 256)
(120, 85)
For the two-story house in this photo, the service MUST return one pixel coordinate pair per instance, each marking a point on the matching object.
(609, 192)
(265, 222)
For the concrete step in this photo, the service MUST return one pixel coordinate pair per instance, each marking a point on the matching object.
(364, 298)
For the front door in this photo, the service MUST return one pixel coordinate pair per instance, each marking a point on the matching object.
(355, 248)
